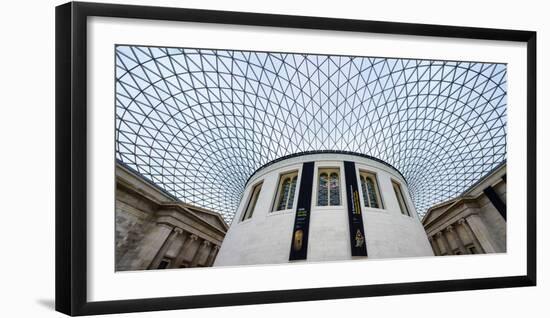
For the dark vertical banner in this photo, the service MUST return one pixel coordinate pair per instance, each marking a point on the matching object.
(356, 229)
(298, 246)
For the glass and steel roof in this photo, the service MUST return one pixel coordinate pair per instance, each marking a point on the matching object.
(199, 122)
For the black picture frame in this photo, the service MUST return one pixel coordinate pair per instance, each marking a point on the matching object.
(71, 157)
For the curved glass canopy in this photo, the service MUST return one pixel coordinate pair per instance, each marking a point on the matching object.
(199, 122)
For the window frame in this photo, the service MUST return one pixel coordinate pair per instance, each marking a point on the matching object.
(244, 213)
(330, 170)
(166, 261)
(381, 205)
(396, 184)
(278, 191)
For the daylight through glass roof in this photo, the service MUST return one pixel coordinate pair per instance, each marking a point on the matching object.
(199, 122)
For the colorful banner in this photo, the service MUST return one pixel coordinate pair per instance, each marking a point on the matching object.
(356, 229)
(298, 247)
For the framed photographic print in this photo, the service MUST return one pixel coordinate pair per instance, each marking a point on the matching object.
(211, 158)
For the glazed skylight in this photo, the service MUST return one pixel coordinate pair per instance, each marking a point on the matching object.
(199, 122)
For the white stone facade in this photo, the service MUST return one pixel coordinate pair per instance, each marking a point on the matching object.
(265, 238)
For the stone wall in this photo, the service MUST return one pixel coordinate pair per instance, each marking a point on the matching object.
(266, 237)
(470, 223)
(155, 231)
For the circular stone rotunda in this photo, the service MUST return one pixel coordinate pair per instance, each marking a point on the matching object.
(324, 206)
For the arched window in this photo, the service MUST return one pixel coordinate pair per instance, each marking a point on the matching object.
(322, 198)
(285, 191)
(255, 193)
(328, 192)
(369, 187)
(400, 198)
(292, 191)
(283, 197)
(334, 189)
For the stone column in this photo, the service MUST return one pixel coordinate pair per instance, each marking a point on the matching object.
(457, 239)
(188, 241)
(480, 232)
(199, 253)
(435, 247)
(150, 245)
(212, 255)
(177, 260)
(207, 249)
(471, 235)
(439, 243)
(446, 244)
(162, 251)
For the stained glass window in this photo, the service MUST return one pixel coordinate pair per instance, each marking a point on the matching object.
(400, 198)
(285, 191)
(292, 191)
(329, 187)
(255, 193)
(322, 197)
(369, 187)
(334, 189)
